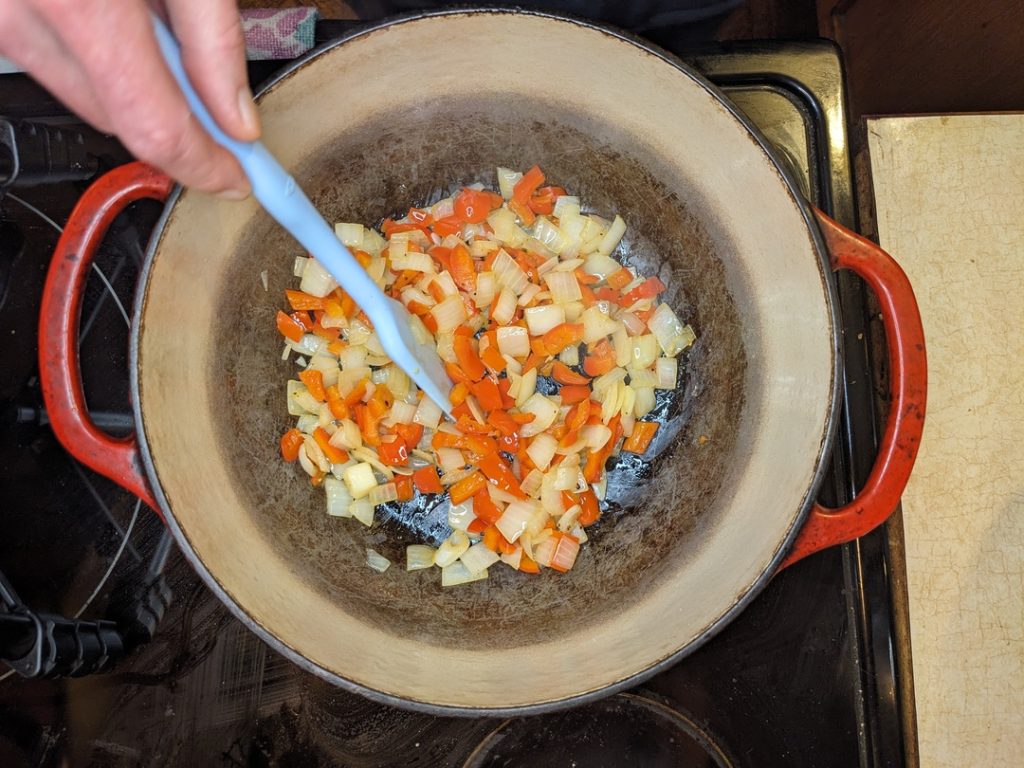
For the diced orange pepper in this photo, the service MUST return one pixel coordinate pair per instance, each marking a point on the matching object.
(574, 394)
(459, 393)
(455, 373)
(368, 425)
(601, 359)
(467, 487)
(493, 359)
(591, 509)
(563, 374)
(491, 534)
(314, 381)
(476, 526)
(487, 394)
(410, 433)
(335, 347)
(562, 336)
(339, 409)
(619, 279)
(484, 506)
(356, 395)
(578, 415)
(594, 467)
(426, 480)
(640, 439)
(526, 565)
(404, 486)
(394, 453)
(291, 442)
(469, 361)
(288, 327)
(504, 423)
(334, 455)
(500, 473)
(301, 300)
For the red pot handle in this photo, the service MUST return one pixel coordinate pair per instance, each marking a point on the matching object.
(904, 337)
(116, 458)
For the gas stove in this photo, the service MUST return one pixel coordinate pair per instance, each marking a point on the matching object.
(806, 676)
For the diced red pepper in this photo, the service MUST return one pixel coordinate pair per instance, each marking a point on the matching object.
(527, 185)
(500, 473)
(288, 327)
(648, 289)
(463, 268)
(487, 394)
(470, 363)
(427, 480)
(300, 300)
(574, 394)
(291, 442)
(591, 509)
(404, 486)
(640, 439)
(467, 487)
(562, 336)
(334, 455)
(563, 374)
(394, 453)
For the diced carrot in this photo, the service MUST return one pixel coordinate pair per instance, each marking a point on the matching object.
(334, 455)
(477, 526)
(563, 374)
(467, 487)
(394, 453)
(487, 394)
(591, 509)
(301, 300)
(619, 279)
(339, 409)
(574, 393)
(410, 433)
(404, 486)
(291, 442)
(333, 308)
(426, 480)
(643, 433)
(288, 327)
(314, 381)
(500, 473)
(461, 410)
(534, 360)
(527, 185)
(587, 296)
(649, 288)
(469, 361)
(600, 359)
(562, 336)
(493, 359)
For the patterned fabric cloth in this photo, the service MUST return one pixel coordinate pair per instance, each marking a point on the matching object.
(272, 33)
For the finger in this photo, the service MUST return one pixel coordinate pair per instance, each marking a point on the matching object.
(117, 48)
(26, 40)
(213, 51)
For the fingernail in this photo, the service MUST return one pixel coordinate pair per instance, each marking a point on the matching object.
(233, 194)
(247, 111)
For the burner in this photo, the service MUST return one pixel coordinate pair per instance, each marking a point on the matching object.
(624, 730)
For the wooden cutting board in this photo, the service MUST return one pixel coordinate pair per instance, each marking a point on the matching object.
(949, 196)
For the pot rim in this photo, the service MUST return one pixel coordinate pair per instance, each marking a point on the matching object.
(744, 599)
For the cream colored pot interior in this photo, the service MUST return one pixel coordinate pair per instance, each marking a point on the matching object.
(385, 121)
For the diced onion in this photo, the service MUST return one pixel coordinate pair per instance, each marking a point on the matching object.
(544, 411)
(527, 386)
(531, 483)
(508, 273)
(451, 549)
(398, 383)
(478, 558)
(402, 412)
(513, 340)
(595, 436)
(347, 435)
(601, 384)
(667, 372)
(299, 265)
(360, 480)
(350, 234)
(563, 203)
(514, 559)
(564, 287)
(542, 450)
(623, 345)
(505, 308)
(527, 296)
(377, 561)
(417, 262)
(600, 265)
(427, 413)
(642, 377)
(418, 557)
(352, 357)
(449, 314)
(457, 573)
(564, 556)
(382, 494)
(362, 510)
(563, 478)
(644, 402)
(506, 230)
(611, 239)
(461, 515)
(570, 355)
(507, 180)
(597, 325)
(338, 497)
(486, 286)
(450, 459)
(645, 351)
(542, 319)
(673, 337)
(316, 281)
(515, 519)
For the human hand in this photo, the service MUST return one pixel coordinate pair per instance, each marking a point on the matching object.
(101, 59)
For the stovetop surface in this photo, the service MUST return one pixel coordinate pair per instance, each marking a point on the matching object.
(804, 677)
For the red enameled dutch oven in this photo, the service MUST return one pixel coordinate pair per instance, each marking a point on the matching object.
(390, 117)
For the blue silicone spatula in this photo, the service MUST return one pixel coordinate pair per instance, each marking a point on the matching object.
(278, 193)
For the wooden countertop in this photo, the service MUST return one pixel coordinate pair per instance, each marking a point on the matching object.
(949, 196)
